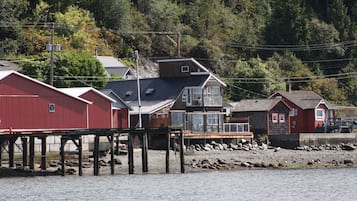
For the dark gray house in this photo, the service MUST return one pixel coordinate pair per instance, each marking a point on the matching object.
(185, 94)
(266, 116)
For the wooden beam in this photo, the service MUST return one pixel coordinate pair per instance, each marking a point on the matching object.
(32, 153)
(182, 157)
(11, 151)
(168, 138)
(144, 151)
(130, 153)
(43, 153)
(63, 143)
(111, 140)
(1, 142)
(80, 156)
(96, 155)
(24, 151)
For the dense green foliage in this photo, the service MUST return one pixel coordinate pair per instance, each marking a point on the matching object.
(256, 46)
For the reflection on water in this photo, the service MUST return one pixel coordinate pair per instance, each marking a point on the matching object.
(287, 185)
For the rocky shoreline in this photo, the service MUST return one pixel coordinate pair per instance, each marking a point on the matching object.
(246, 155)
(212, 156)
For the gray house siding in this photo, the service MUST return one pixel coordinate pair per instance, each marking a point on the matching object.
(279, 127)
(257, 121)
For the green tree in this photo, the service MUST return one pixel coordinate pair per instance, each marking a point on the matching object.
(289, 24)
(292, 70)
(80, 32)
(70, 69)
(255, 79)
(11, 35)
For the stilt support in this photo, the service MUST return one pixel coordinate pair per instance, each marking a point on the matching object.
(32, 153)
(145, 151)
(130, 153)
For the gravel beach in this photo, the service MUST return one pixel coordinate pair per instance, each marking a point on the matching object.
(210, 157)
(198, 161)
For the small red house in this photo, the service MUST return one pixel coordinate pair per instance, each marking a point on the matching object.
(266, 116)
(100, 111)
(308, 110)
(26, 103)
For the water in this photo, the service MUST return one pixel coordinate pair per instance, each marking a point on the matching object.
(284, 185)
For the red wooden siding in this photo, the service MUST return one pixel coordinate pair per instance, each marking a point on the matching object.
(100, 111)
(24, 104)
(120, 118)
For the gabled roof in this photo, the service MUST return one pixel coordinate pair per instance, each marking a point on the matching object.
(109, 61)
(119, 71)
(256, 105)
(112, 94)
(78, 91)
(113, 66)
(4, 74)
(205, 70)
(155, 92)
(303, 99)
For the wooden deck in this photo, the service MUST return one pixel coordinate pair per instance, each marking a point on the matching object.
(243, 135)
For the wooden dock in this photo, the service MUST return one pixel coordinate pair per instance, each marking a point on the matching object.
(28, 141)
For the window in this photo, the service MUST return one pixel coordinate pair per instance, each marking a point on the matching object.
(212, 122)
(177, 118)
(320, 114)
(274, 117)
(293, 112)
(212, 96)
(184, 95)
(281, 118)
(51, 107)
(185, 69)
(196, 122)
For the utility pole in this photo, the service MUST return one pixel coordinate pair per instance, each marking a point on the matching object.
(136, 55)
(52, 49)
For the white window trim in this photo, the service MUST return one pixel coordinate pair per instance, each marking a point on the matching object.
(282, 120)
(318, 118)
(277, 118)
(185, 69)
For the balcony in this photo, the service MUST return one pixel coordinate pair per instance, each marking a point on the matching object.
(236, 128)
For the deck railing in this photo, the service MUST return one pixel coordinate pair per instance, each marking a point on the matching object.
(236, 127)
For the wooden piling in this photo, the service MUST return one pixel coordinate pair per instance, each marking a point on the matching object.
(43, 153)
(168, 153)
(24, 151)
(112, 154)
(130, 153)
(32, 153)
(1, 142)
(11, 152)
(63, 143)
(80, 156)
(144, 152)
(182, 158)
(96, 155)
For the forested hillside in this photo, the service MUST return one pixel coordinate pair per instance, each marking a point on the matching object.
(256, 46)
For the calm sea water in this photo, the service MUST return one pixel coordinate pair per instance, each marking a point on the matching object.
(287, 185)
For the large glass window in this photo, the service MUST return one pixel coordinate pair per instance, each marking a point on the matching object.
(212, 96)
(212, 122)
(196, 122)
(177, 119)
